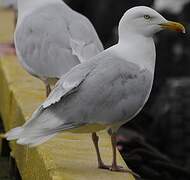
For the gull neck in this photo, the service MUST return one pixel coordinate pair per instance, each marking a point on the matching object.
(137, 49)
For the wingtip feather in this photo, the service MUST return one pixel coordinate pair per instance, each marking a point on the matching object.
(14, 133)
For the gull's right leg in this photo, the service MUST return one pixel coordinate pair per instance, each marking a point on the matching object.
(48, 90)
(47, 85)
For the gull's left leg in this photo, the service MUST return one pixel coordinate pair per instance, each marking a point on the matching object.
(115, 166)
(95, 140)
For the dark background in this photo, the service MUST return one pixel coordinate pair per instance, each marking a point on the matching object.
(156, 144)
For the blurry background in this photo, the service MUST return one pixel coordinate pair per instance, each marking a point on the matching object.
(156, 144)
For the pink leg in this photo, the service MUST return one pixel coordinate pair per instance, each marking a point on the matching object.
(48, 90)
(95, 140)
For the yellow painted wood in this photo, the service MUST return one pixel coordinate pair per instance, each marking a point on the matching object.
(65, 157)
(6, 25)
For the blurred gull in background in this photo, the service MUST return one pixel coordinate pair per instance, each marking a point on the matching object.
(8, 3)
(105, 92)
(51, 38)
(8, 48)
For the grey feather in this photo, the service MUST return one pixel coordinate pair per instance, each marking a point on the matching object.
(53, 39)
(69, 83)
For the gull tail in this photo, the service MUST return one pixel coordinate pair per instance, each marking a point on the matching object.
(39, 129)
(35, 141)
(32, 141)
(14, 133)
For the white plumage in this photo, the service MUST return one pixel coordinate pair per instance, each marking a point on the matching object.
(9, 3)
(105, 92)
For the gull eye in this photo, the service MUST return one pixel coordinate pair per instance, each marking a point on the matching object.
(147, 17)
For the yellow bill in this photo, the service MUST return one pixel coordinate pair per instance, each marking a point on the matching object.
(173, 26)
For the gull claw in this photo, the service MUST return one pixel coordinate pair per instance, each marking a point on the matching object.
(121, 169)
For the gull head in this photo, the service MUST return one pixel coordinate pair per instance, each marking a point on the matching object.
(145, 21)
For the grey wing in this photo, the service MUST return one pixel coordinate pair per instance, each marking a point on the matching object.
(43, 46)
(84, 40)
(49, 45)
(44, 123)
(113, 90)
(67, 85)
